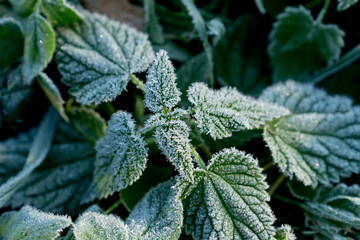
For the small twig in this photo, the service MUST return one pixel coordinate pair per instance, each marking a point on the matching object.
(276, 184)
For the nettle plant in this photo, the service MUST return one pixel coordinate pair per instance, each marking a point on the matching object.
(74, 162)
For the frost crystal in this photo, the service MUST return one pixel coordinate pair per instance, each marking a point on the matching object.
(121, 155)
(31, 224)
(158, 215)
(160, 86)
(92, 226)
(228, 201)
(221, 112)
(96, 57)
(320, 140)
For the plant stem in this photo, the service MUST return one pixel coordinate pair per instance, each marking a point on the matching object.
(286, 200)
(346, 60)
(109, 108)
(268, 165)
(205, 150)
(139, 84)
(323, 11)
(114, 206)
(197, 158)
(276, 184)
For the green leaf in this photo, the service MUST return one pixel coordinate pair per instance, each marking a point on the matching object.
(284, 233)
(94, 226)
(23, 7)
(200, 26)
(59, 12)
(12, 41)
(333, 211)
(97, 56)
(299, 44)
(31, 224)
(121, 155)
(53, 94)
(221, 112)
(38, 151)
(228, 200)
(39, 46)
(161, 91)
(158, 215)
(240, 58)
(320, 140)
(88, 123)
(345, 4)
(63, 183)
(152, 24)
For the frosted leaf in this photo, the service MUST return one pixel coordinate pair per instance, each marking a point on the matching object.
(39, 46)
(284, 233)
(158, 215)
(333, 212)
(31, 224)
(94, 226)
(320, 140)
(64, 181)
(52, 93)
(299, 44)
(121, 155)
(160, 86)
(221, 112)
(172, 137)
(95, 57)
(228, 200)
(345, 4)
(59, 12)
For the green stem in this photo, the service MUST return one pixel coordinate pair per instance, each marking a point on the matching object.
(349, 58)
(205, 150)
(114, 206)
(197, 158)
(139, 84)
(268, 165)
(276, 184)
(109, 108)
(323, 11)
(286, 200)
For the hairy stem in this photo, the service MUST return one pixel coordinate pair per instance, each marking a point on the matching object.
(323, 11)
(138, 83)
(197, 158)
(276, 184)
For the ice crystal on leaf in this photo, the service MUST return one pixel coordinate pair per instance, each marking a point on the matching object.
(320, 140)
(228, 200)
(221, 112)
(31, 224)
(284, 233)
(95, 57)
(121, 155)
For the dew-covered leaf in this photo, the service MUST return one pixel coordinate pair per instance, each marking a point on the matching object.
(12, 41)
(52, 93)
(345, 4)
(320, 140)
(23, 7)
(221, 112)
(39, 46)
(172, 137)
(121, 155)
(333, 212)
(299, 44)
(161, 90)
(37, 153)
(31, 224)
(284, 233)
(60, 12)
(64, 181)
(88, 123)
(94, 226)
(228, 200)
(158, 215)
(95, 57)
